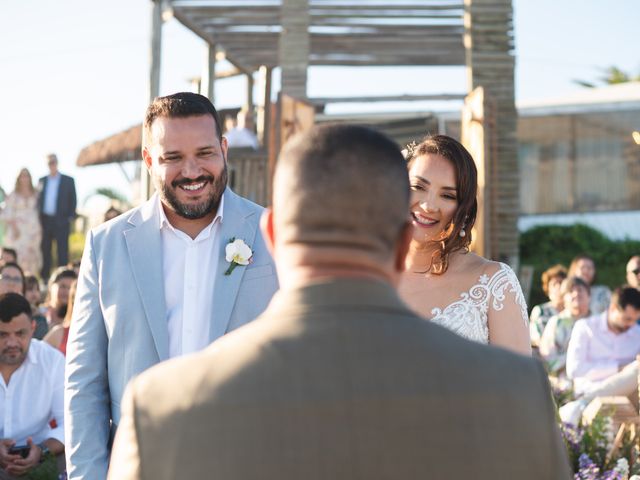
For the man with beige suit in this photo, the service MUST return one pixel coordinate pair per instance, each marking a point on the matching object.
(338, 379)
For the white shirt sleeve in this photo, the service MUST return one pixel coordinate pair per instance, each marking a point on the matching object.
(579, 363)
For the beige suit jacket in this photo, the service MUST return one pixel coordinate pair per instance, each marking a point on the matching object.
(339, 380)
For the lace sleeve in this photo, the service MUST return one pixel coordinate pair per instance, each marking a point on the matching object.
(507, 312)
(503, 285)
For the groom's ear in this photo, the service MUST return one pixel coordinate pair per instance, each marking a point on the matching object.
(266, 227)
(146, 156)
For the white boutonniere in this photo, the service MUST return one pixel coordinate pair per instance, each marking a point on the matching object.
(237, 253)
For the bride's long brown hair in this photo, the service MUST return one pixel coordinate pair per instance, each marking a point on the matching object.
(449, 240)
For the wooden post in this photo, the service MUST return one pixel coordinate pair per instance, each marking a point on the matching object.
(264, 103)
(146, 186)
(207, 86)
(475, 137)
(294, 47)
(250, 103)
(490, 64)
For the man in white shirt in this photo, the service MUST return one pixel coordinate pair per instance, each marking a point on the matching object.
(602, 352)
(57, 209)
(241, 135)
(31, 394)
(161, 280)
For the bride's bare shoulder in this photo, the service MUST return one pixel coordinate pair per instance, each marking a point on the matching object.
(475, 265)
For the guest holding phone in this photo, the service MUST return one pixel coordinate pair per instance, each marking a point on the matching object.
(31, 392)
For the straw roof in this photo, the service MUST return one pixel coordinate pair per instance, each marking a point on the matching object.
(121, 147)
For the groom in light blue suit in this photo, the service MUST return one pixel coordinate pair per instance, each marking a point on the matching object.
(155, 283)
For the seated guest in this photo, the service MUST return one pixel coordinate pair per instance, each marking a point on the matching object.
(111, 213)
(59, 285)
(75, 266)
(8, 255)
(633, 271)
(58, 335)
(339, 379)
(551, 282)
(584, 266)
(31, 396)
(34, 297)
(11, 278)
(556, 335)
(603, 344)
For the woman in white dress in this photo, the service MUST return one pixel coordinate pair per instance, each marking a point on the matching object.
(476, 298)
(23, 231)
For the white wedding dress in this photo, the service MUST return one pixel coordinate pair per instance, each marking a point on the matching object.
(469, 316)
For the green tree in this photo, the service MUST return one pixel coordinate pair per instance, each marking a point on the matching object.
(610, 76)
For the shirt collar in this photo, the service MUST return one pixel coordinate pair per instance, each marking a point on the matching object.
(164, 222)
(31, 355)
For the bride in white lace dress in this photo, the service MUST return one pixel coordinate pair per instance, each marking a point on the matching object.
(477, 298)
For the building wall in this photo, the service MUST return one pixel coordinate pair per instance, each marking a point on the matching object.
(579, 162)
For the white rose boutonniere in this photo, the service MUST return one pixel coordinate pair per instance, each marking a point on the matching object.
(237, 253)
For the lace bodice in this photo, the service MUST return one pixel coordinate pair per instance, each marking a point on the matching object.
(469, 316)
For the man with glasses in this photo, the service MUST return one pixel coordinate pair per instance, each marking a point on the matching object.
(633, 271)
(57, 208)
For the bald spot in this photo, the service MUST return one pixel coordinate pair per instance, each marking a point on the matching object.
(341, 187)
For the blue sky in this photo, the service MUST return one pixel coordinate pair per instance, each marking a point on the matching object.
(76, 71)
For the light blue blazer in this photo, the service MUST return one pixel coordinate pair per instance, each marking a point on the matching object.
(119, 325)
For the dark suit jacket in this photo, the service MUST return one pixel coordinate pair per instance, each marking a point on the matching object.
(66, 204)
(339, 380)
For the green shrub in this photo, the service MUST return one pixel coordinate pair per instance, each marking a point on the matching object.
(546, 245)
(76, 245)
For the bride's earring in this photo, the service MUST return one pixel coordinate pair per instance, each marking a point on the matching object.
(462, 233)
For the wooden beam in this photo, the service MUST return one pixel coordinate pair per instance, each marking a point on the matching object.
(387, 98)
(250, 103)
(490, 63)
(155, 50)
(187, 22)
(209, 75)
(146, 186)
(265, 74)
(294, 47)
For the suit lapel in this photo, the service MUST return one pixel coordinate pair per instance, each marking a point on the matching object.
(238, 222)
(145, 254)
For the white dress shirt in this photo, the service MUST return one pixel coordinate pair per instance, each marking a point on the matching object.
(50, 205)
(190, 269)
(596, 353)
(34, 397)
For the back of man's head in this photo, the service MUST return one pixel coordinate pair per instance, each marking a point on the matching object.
(12, 305)
(341, 188)
(179, 105)
(626, 296)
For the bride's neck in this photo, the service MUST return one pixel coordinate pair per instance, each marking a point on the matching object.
(420, 255)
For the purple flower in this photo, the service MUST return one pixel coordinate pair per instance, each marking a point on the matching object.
(572, 435)
(587, 469)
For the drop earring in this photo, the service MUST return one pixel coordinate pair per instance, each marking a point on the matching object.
(462, 233)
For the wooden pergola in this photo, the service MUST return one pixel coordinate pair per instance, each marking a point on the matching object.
(256, 36)
(259, 35)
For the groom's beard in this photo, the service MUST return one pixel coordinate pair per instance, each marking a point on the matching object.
(198, 210)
